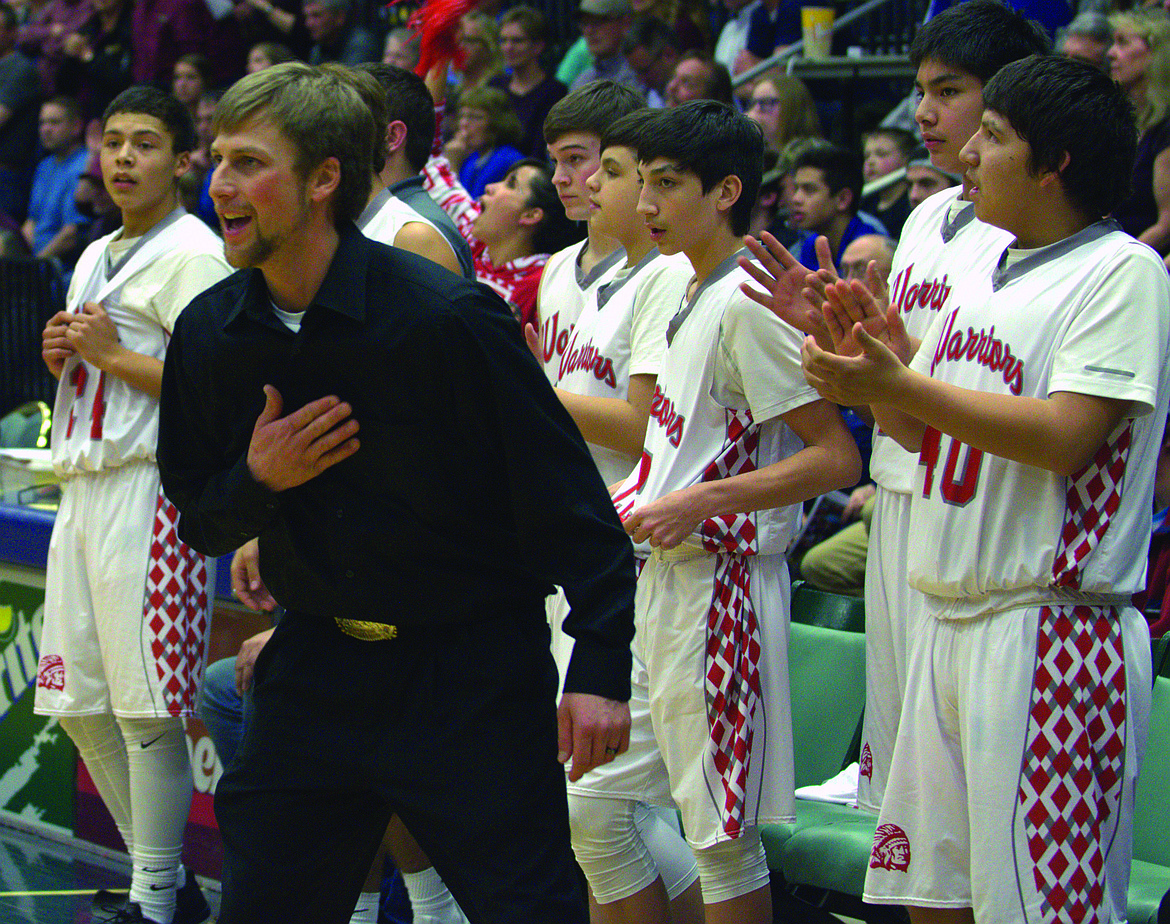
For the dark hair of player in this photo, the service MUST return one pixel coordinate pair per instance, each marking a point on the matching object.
(591, 108)
(840, 167)
(713, 141)
(407, 101)
(1063, 106)
(627, 131)
(152, 101)
(978, 38)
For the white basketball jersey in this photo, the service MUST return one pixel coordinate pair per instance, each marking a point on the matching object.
(562, 296)
(99, 421)
(386, 215)
(1089, 315)
(730, 370)
(622, 332)
(941, 251)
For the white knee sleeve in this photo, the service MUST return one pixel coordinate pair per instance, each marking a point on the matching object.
(99, 742)
(673, 857)
(608, 848)
(732, 868)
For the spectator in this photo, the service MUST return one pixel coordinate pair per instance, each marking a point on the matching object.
(687, 21)
(480, 41)
(189, 81)
(733, 36)
(53, 227)
(603, 23)
(335, 36)
(19, 94)
(698, 76)
(652, 50)
(887, 150)
(1139, 60)
(97, 61)
(1087, 38)
(164, 31)
(774, 26)
(266, 54)
(274, 25)
(484, 147)
(925, 179)
(401, 49)
(826, 193)
(784, 109)
(43, 36)
(530, 90)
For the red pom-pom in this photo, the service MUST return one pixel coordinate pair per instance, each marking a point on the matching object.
(436, 23)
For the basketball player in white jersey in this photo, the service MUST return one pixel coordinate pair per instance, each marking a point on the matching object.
(386, 218)
(941, 247)
(1037, 412)
(736, 440)
(606, 380)
(127, 605)
(572, 131)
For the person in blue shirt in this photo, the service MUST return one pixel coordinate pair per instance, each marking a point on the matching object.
(826, 193)
(53, 226)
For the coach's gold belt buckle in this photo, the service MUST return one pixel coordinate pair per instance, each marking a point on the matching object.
(367, 631)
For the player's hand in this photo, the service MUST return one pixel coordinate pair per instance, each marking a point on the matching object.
(876, 376)
(852, 508)
(246, 582)
(591, 730)
(532, 338)
(852, 303)
(789, 292)
(94, 336)
(288, 451)
(667, 521)
(246, 659)
(55, 345)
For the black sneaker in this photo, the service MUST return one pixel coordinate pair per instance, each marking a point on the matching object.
(190, 905)
(130, 913)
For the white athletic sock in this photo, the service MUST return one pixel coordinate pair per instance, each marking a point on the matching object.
(99, 742)
(430, 900)
(160, 799)
(366, 911)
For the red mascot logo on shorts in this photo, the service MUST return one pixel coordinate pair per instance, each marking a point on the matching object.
(891, 849)
(51, 673)
(865, 762)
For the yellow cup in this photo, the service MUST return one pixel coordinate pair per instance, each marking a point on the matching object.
(817, 25)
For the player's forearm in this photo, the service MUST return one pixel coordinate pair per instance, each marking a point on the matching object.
(1060, 434)
(814, 470)
(906, 429)
(609, 422)
(135, 369)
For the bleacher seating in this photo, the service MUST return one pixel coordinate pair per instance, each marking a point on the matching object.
(27, 427)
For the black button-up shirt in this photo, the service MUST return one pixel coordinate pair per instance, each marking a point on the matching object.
(472, 492)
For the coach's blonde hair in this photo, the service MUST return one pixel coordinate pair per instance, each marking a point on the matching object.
(1153, 28)
(320, 113)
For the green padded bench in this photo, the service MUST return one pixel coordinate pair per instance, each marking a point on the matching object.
(1150, 878)
(823, 608)
(827, 678)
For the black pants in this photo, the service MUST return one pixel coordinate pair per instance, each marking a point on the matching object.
(451, 728)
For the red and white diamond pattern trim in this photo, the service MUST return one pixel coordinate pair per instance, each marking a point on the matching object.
(176, 611)
(1093, 496)
(732, 683)
(733, 532)
(1071, 780)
